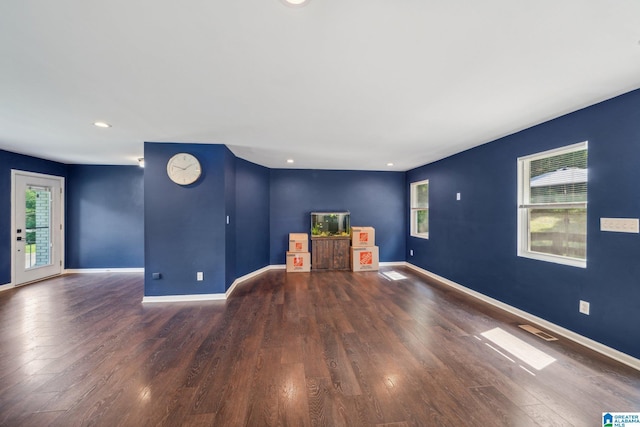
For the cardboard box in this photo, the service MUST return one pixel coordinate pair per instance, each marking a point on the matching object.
(363, 236)
(298, 262)
(298, 242)
(364, 258)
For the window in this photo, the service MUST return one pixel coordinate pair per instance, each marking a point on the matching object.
(420, 209)
(552, 199)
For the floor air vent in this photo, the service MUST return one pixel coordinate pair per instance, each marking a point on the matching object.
(535, 331)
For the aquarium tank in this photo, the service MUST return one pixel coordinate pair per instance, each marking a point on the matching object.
(330, 224)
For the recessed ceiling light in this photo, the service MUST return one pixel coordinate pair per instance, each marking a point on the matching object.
(289, 160)
(390, 164)
(295, 3)
(102, 124)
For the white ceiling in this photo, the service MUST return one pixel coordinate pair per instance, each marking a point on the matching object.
(337, 84)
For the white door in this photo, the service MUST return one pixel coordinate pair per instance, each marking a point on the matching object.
(37, 219)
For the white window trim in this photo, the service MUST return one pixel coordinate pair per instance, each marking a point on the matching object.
(414, 211)
(523, 223)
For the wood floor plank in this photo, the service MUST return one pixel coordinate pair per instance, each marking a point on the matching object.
(544, 416)
(307, 349)
(312, 350)
(263, 409)
(293, 401)
(335, 358)
(501, 407)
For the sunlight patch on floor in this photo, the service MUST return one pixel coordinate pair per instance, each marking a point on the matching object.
(527, 353)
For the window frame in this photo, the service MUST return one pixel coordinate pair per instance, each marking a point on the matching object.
(525, 206)
(414, 210)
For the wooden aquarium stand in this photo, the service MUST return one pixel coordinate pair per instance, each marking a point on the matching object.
(330, 253)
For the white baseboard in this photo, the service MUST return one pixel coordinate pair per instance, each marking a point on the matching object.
(102, 270)
(382, 264)
(184, 298)
(250, 276)
(210, 297)
(566, 333)
(393, 264)
(84, 270)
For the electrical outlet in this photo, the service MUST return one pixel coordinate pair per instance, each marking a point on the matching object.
(620, 225)
(199, 276)
(584, 307)
(411, 252)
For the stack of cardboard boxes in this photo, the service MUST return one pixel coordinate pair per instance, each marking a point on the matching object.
(364, 252)
(298, 256)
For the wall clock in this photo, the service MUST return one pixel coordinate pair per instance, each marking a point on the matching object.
(184, 169)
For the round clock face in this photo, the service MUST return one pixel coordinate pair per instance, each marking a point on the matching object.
(183, 169)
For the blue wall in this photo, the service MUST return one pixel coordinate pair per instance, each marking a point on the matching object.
(374, 199)
(473, 241)
(10, 161)
(105, 217)
(252, 217)
(185, 226)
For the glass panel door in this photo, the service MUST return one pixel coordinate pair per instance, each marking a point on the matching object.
(37, 251)
(38, 232)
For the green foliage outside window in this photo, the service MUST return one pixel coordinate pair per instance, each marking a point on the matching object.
(423, 222)
(30, 217)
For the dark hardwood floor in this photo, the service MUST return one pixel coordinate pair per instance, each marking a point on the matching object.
(318, 349)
